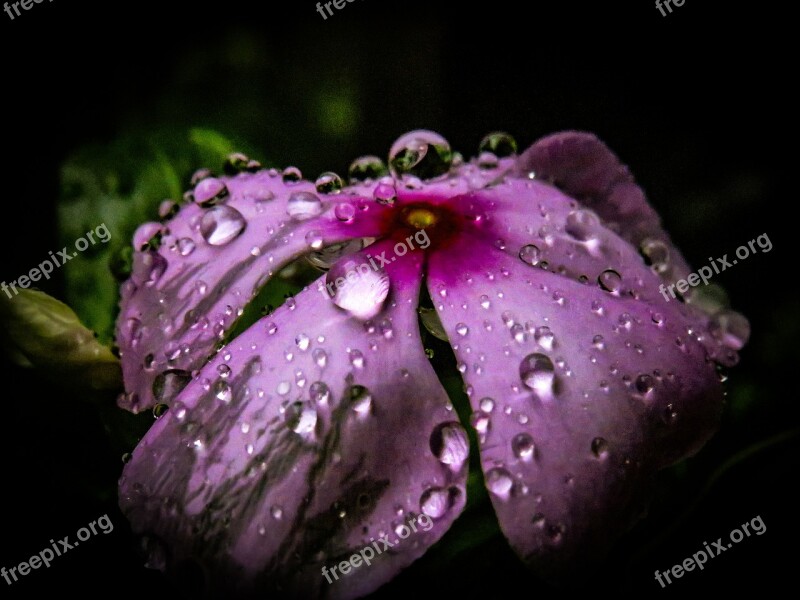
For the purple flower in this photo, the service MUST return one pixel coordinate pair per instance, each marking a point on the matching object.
(323, 427)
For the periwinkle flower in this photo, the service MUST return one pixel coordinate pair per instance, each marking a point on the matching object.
(324, 427)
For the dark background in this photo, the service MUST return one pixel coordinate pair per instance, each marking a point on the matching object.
(699, 104)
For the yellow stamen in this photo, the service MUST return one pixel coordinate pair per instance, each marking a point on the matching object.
(421, 218)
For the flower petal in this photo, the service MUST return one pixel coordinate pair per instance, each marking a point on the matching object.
(578, 399)
(183, 297)
(311, 435)
(586, 169)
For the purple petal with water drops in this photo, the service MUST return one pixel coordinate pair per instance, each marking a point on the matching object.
(578, 396)
(212, 258)
(586, 169)
(315, 432)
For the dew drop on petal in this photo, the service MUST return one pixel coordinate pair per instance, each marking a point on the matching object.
(421, 153)
(544, 337)
(210, 191)
(499, 482)
(538, 373)
(522, 446)
(303, 205)
(435, 502)
(599, 447)
(319, 393)
(449, 443)
(530, 254)
(730, 328)
(610, 281)
(363, 293)
(222, 224)
(329, 183)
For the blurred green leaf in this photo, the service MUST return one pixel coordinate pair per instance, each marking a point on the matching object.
(121, 185)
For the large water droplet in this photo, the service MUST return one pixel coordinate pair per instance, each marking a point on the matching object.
(168, 384)
(656, 254)
(365, 168)
(210, 191)
(385, 193)
(303, 205)
(538, 373)
(344, 211)
(544, 337)
(314, 239)
(185, 246)
(435, 502)
(599, 447)
(421, 153)
(523, 447)
(610, 281)
(329, 183)
(360, 399)
(301, 418)
(319, 392)
(358, 288)
(730, 328)
(449, 443)
(222, 224)
(581, 224)
(499, 482)
(530, 254)
(291, 175)
(498, 143)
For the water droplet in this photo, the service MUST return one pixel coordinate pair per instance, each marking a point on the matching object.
(597, 342)
(655, 254)
(600, 447)
(385, 194)
(730, 328)
(302, 341)
(421, 153)
(301, 418)
(530, 254)
(582, 225)
(314, 239)
(645, 383)
(168, 384)
(486, 404)
(303, 205)
(291, 175)
(498, 143)
(449, 443)
(320, 357)
(329, 183)
(224, 371)
(366, 168)
(358, 288)
(185, 246)
(462, 329)
(357, 359)
(360, 399)
(485, 303)
(544, 337)
(344, 211)
(538, 373)
(319, 392)
(222, 224)
(487, 160)
(223, 392)
(276, 512)
(210, 191)
(610, 281)
(159, 410)
(499, 482)
(435, 502)
(523, 447)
